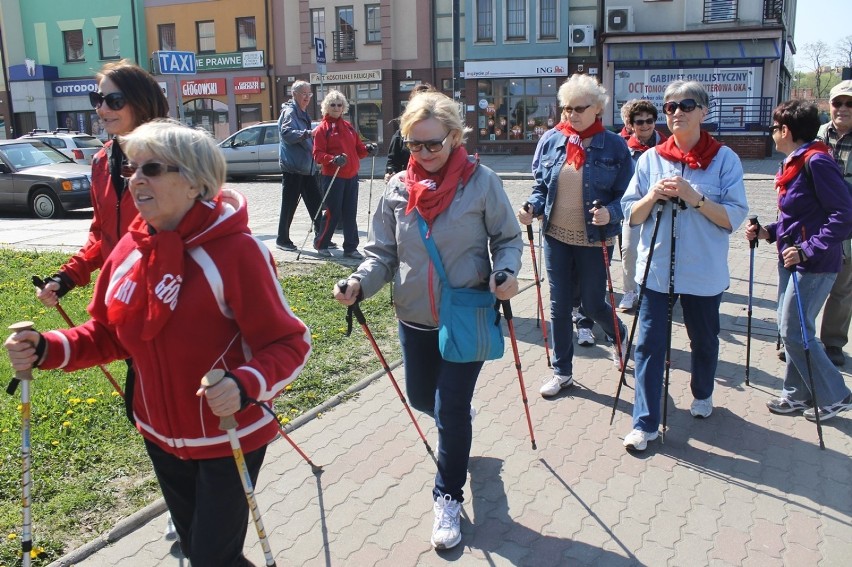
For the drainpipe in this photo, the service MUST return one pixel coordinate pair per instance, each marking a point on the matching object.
(135, 39)
(269, 87)
(10, 119)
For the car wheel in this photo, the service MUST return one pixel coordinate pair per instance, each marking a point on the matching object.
(45, 205)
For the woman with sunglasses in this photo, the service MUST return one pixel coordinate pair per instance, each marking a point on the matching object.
(579, 164)
(641, 117)
(188, 267)
(694, 172)
(815, 210)
(470, 218)
(337, 148)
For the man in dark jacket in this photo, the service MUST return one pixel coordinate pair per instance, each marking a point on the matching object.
(295, 156)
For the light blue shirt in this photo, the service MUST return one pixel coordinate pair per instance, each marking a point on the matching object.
(701, 248)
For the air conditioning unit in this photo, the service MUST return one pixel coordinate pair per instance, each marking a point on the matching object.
(581, 36)
(619, 20)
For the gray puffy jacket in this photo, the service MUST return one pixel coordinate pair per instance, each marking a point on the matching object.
(296, 147)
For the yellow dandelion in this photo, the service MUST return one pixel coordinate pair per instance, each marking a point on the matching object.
(19, 407)
(284, 420)
(66, 424)
(5, 430)
(294, 410)
(12, 536)
(36, 552)
(288, 387)
(74, 401)
(91, 401)
(115, 394)
(69, 412)
(54, 442)
(67, 391)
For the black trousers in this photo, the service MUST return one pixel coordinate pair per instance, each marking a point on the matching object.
(292, 186)
(207, 503)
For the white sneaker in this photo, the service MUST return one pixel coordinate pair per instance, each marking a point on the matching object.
(555, 383)
(615, 357)
(446, 530)
(637, 440)
(702, 408)
(628, 301)
(585, 337)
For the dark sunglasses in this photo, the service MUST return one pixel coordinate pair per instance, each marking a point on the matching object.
(150, 169)
(774, 128)
(335, 104)
(640, 122)
(839, 103)
(686, 105)
(115, 101)
(432, 146)
(577, 109)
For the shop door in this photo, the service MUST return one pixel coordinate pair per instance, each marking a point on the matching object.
(25, 122)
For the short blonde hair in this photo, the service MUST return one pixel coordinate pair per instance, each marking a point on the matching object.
(192, 150)
(333, 96)
(582, 86)
(626, 109)
(433, 105)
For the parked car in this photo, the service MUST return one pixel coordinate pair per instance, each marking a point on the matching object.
(79, 146)
(254, 150)
(40, 179)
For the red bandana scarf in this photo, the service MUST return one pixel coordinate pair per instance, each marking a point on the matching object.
(636, 144)
(151, 286)
(574, 151)
(432, 193)
(699, 157)
(791, 167)
(625, 133)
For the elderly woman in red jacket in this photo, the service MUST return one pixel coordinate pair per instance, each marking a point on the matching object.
(338, 149)
(188, 267)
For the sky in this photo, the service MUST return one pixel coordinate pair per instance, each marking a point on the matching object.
(825, 20)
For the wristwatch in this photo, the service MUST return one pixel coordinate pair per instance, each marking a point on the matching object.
(700, 202)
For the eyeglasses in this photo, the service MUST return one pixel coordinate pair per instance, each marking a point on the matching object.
(432, 146)
(640, 122)
(686, 105)
(307, 94)
(335, 104)
(114, 101)
(774, 128)
(577, 109)
(150, 169)
(838, 103)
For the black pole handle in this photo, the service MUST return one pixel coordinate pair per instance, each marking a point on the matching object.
(529, 226)
(752, 221)
(353, 309)
(38, 282)
(499, 279)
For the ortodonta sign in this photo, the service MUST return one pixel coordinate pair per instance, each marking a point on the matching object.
(237, 60)
(74, 88)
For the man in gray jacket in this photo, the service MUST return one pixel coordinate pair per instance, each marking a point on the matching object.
(295, 156)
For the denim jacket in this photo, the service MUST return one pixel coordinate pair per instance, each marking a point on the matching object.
(606, 173)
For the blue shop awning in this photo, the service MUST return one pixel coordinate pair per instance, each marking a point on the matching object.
(694, 50)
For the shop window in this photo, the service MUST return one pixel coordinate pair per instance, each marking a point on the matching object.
(109, 42)
(246, 34)
(516, 109)
(374, 24)
(317, 24)
(485, 20)
(210, 114)
(73, 40)
(547, 19)
(365, 107)
(206, 32)
(167, 38)
(516, 20)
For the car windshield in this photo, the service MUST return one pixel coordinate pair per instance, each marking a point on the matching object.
(30, 154)
(88, 142)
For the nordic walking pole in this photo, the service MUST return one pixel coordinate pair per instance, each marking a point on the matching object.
(314, 468)
(621, 380)
(355, 309)
(24, 377)
(229, 425)
(370, 198)
(39, 283)
(499, 278)
(531, 239)
(752, 220)
(675, 203)
(788, 240)
(597, 204)
(319, 210)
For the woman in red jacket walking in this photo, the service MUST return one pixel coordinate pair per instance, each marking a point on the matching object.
(338, 148)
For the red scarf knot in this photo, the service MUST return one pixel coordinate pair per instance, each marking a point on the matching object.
(699, 157)
(432, 193)
(575, 153)
(792, 166)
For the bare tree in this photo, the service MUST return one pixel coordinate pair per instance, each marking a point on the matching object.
(817, 54)
(843, 50)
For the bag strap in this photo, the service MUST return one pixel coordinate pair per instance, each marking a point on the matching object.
(431, 249)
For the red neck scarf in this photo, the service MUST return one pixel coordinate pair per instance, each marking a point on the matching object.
(792, 166)
(432, 193)
(625, 133)
(699, 157)
(636, 144)
(574, 151)
(151, 286)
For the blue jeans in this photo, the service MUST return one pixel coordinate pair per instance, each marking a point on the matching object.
(443, 390)
(828, 381)
(701, 319)
(341, 203)
(583, 266)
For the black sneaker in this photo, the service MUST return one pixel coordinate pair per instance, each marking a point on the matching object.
(827, 412)
(782, 355)
(286, 246)
(835, 355)
(786, 405)
(332, 244)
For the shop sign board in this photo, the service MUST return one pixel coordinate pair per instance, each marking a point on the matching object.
(74, 88)
(366, 76)
(235, 60)
(246, 85)
(176, 62)
(203, 87)
(516, 68)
